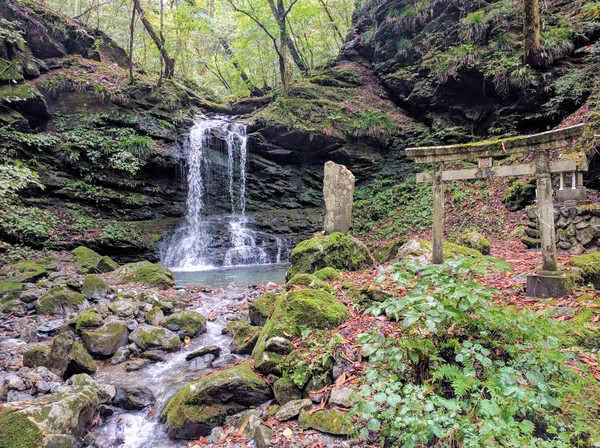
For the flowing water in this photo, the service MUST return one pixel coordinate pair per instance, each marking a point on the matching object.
(216, 157)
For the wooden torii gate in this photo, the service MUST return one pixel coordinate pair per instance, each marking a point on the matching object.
(485, 152)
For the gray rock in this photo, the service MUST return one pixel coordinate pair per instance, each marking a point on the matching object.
(154, 355)
(286, 390)
(292, 409)
(263, 437)
(121, 355)
(207, 349)
(338, 192)
(132, 366)
(49, 328)
(43, 386)
(279, 345)
(124, 309)
(132, 397)
(342, 396)
(202, 362)
(107, 339)
(147, 336)
(15, 395)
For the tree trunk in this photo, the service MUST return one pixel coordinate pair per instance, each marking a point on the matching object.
(254, 91)
(532, 36)
(169, 62)
(280, 15)
(334, 25)
(131, 35)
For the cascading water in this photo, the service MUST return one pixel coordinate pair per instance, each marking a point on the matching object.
(216, 156)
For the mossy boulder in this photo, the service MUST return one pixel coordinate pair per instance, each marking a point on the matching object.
(295, 310)
(14, 306)
(36, 356)
(186, 323)
(244, 339)
(146, 273)
(308, 281)
(519, 194)
(91, 262)
(389, 250)
(30, 271)
(260, 309)
(476, 241)
(10, 290)
(331, 421)
(94, 287)
(286, 390)
(367, 295)
(65, 415)
(87, 320)
(124, 308)
(337, 250)
(147, 336)
(204, 404)
(327, 274)
(589, 267)
(106, 340)
(155, 316)
(60, 300)
(65, 358)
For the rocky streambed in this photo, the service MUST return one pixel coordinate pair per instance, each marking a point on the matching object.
(100, 355)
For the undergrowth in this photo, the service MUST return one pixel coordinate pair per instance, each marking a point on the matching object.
(463, 372)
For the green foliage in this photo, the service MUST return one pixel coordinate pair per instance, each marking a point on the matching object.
(37, 141)
(15, 177)
(464, 372)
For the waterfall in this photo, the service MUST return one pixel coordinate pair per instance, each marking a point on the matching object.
(216, 158)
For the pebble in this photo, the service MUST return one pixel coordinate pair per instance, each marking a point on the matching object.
(14, 395)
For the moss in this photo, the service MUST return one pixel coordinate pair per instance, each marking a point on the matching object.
(519, 195)
(531, 242)
(13, 93)
(86, 259)
(186, 323)
(155, 316)
(308, 281)
(328, 273)
(245, 339)
(589, 267)
(81, 357)
(331, 421)
(476, 241)
(18, 431)
(59, 300)
(146, 273)
(336, 250)
(88, 319)
(389, 250)
(10, 289)
(366, 295)
(14, 306)
(36, 356)
(261, 308)
(28, 271)
(94, 287)
(147, 337)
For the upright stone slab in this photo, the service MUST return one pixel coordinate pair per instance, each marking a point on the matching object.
(338, 190)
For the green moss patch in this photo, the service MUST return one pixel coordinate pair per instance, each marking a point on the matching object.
(94, 288)
(589, 267)
(186, 323)
(308, 281)
(260, 309)
(18, 431)
(59, 300)
(146, 273)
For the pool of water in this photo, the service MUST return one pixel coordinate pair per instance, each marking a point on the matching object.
(239, 276)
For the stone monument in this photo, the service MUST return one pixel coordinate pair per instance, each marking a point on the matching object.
(338, 190)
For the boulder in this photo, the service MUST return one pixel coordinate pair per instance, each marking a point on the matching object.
(339, 251)
(63, 416)
(146, 273)
(155, 316)
(94, 288)
(308, 281)
(295, 310)
(588, 267)
(330, 421)
(476, 241)
(125, 309)
(286, 390)
(327, 274)
(65, 358)
(214, 350)
(132, 397)
(87, 320)
(186, 323)
(244, 340)
(261, 308)
(292, 409)
(91, 262)
(338, 192)
(60, 300)
(147, 336)
(204, 404)
(342, 396)
(106, 340)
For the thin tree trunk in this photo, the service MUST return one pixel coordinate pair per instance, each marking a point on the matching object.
(280, 14)
(254, 91)
(169, 62)
(131, 35)
(532, 36)
(323, 4)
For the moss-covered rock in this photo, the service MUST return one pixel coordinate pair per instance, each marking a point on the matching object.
(327, 274)
(155, 316)
(286, 390)
(337, 250)
(186, 323)
(106, 340)
(94, 287)
(294, 311)
(331, 421)
(18, 431)
(91, 262)
(476, 241)
(261, 308)
(60, 300)
(589, 267)
(204, 404)
(30, 271)
(124, 308)
(87, 320)
(66, 357)
(36, 356)
(14, 306)
(244, 339)
(367, 295)
(10, 290)
(519, 194)
(146, 273)
(308, 281)
(147, 336)
(388, 251)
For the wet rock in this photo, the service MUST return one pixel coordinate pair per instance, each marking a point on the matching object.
(60, 300)
(224, 361)
(138, 364)
(154, 355)
(186, 323)
(94, 288)
(342, 396)
(133, 397)
(330, 421)
(204, 404)
(244, 339)
(146, 273)
(202, 362)
(107, 339)
(206, 350)
(285, 390)
(147, 336)
(292, 409)
(279, 345)
(121, 355)
(263, 437)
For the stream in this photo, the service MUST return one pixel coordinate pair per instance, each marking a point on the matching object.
(141, 429)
